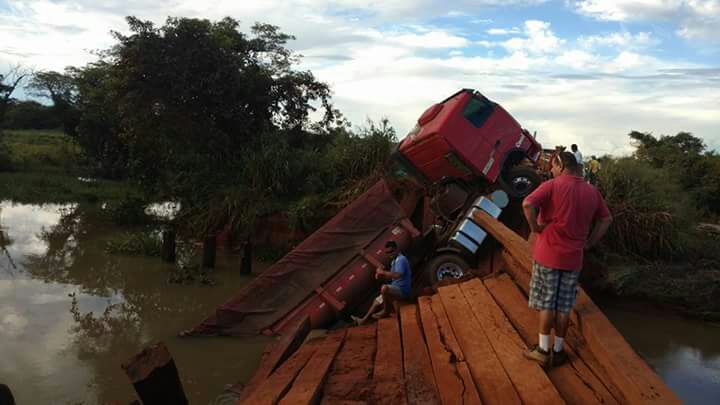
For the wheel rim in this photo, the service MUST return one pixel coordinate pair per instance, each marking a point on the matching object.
(449, 270)
(522, 184)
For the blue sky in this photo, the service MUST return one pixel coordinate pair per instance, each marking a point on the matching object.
(585, 72)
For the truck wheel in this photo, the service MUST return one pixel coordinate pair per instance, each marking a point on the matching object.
(520, 181)
(446, 266)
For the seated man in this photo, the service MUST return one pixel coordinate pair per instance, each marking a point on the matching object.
(398, 289)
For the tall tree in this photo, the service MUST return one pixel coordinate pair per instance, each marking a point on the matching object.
(9, 82)
(194, 108)
(62, 90)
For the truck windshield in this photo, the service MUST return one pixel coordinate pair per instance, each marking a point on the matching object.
(478, 110)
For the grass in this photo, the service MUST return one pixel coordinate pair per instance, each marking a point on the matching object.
(46, 166)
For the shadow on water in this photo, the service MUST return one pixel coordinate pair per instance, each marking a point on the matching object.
(70, 313)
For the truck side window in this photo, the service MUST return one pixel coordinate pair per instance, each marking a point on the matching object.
(477, 111)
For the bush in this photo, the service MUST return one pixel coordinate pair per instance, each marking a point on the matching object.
(6, 163)
(652, 215)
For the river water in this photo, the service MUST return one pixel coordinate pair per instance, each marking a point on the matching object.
(70, 314)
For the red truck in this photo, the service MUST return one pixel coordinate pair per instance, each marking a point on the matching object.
(463, 148)
(466, 154)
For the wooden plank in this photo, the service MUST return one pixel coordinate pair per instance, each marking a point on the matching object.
(446, 332)
(306, 387)
(388, 372)
(638, 382)
(351, 374)
(275, 386)
(490, 378)
(530, 381)
(275, 355)
(515, 269)
(511, 241)
(155, 377)
(574, 380)
(450, 384)
(419, 377)
(579, 381)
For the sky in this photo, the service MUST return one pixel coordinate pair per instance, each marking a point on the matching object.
(585, 72)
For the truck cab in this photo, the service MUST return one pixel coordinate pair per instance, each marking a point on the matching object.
(470, 138)
(468, 153)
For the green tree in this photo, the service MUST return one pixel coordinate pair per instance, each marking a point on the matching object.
(62, 90)
(9, 82)
(197, 111)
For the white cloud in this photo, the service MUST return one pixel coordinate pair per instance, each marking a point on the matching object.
(619, 40)
(432, 39)
(577, 59)
(697, 19)
(539, 39)
(624, 10)
(503, 31)
(384, 60)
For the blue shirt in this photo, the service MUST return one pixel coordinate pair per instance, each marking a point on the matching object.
(401, 266)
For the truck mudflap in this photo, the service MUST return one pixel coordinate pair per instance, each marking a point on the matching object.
(329, 272)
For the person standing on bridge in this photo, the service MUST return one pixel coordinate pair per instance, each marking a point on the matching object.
(560, 214)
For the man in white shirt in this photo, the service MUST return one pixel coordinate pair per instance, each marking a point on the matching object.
(578, 155)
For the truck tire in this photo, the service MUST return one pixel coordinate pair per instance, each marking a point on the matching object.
(446, 266)
(519, 181)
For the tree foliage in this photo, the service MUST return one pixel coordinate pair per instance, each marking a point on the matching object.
(62, 90)
(219, 120)
(685, 158)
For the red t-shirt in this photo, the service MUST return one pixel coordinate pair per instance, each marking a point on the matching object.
(568, 205)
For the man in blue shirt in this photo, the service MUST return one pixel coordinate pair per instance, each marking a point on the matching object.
(400, 286)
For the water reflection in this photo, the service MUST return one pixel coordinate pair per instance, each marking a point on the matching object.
(70, 314)
(685, 353)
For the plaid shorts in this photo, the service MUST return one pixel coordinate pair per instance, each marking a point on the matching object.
(552, 289)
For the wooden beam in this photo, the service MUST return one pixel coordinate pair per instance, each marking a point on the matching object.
(530, 381)
(275, 386)
(307, 386)
(388, 372)
(446, 363)
(155, 377)
(574, 380)
(351, 374)
(419, 377)
(275, 355)
(636, 379)
(487, 370)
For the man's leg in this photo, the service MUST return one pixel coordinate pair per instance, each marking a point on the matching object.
(567, 292)
(390, 294)
(373, 309)
(543, 286)
(546, 322)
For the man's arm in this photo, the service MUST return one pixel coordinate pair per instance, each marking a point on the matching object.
(531, 216)
(598, 231)
(389, 275)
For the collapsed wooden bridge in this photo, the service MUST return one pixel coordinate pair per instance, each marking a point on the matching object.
(463, 344)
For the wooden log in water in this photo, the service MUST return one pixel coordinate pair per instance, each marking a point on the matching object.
(209, 252)
(168, 246)
(155, 377)
(246, 263)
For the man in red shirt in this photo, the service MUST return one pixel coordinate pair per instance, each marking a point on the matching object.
(560, 213)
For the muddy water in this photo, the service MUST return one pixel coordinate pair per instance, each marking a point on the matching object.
(685, 353)
(70, 314)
